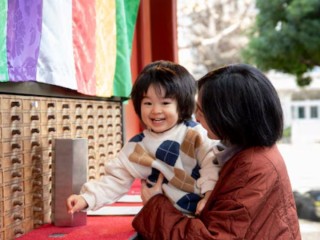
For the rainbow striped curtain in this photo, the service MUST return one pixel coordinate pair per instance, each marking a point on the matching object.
(84, 45)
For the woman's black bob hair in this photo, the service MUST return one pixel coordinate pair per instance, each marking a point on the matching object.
(241, 106)
(174, 79)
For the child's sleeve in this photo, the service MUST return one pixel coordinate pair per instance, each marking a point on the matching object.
(109, 188)
(209, 167)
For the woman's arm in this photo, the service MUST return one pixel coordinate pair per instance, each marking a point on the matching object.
(159, 219)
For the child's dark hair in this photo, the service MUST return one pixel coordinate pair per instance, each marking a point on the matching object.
(241, 106)
(177, 82)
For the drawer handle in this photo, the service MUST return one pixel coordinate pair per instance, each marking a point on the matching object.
(15, 160)
(37, 195)
(15, 104)
(35, 130)
(35, 144)
(17, 203)
(16, 188)
(37, 209)
(15, 118)
(36, 170)
(16, 174)
(36, 183)
(15, 145)
(17, 217)
(18, 232)
(16, 132)
(34, 117)
(51, 129)
(36, 157)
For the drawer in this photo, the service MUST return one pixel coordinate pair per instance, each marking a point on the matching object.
(31, 105)
(47, 155)
(12, 161)
(10, 147)
(40, 218)
(32, 143)
(11, 104)
(49, 131)
(43, 206)
(18, 229)
(36, 185)
(14, 216)
(43, 193)
(28, 199)
(48, 117)
(48, 104)
(9, 119)
(12, 203)
(12, 190)
(12, 175)
(11, 132)
(28, 211)
(31, 118)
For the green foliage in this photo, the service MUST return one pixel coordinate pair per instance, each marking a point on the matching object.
(286, 37)
(286, 135)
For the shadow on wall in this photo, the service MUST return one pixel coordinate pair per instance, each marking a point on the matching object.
(308, 205)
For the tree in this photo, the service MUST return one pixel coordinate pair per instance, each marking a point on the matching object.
(286, 37)
(212, 32)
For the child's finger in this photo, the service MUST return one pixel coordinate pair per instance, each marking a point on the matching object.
(143, 182)
(159, 180)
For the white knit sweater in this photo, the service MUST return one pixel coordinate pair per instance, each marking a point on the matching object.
(183, 154)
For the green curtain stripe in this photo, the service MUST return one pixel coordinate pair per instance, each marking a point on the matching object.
(126, 15)
(3, 42)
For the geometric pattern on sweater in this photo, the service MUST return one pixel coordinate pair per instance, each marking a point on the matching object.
(196, 172)
(183, 181)
(164, 160)
(190, 123)
(177, 177)
(189, 202)
(153, 177)
(137, 138)
(168, 152)
(191, 142)
(140, 156)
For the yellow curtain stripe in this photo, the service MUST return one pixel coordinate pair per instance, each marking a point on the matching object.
(106, 46)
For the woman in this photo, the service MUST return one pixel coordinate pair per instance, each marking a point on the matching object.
(252, 199)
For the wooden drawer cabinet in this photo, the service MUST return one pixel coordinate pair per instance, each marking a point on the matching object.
(29, 126)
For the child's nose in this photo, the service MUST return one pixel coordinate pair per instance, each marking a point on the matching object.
(156, 109)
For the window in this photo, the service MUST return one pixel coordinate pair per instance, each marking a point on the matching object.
(301, 112)
(314, 112)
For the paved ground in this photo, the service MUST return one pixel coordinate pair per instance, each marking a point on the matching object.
(303, 163)
(309, 230)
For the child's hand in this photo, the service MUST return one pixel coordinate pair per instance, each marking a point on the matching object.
(76, 203)
(147, 193)
(202, 202)
(201, 205)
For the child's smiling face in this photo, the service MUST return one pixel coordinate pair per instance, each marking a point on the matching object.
(159, 113)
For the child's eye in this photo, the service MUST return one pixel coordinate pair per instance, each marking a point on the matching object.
(146, 103)
(167, 101)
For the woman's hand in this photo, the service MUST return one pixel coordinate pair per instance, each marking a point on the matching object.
(147, 193)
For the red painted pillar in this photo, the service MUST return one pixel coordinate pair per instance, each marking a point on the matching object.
(164, 30)
(155, 38)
